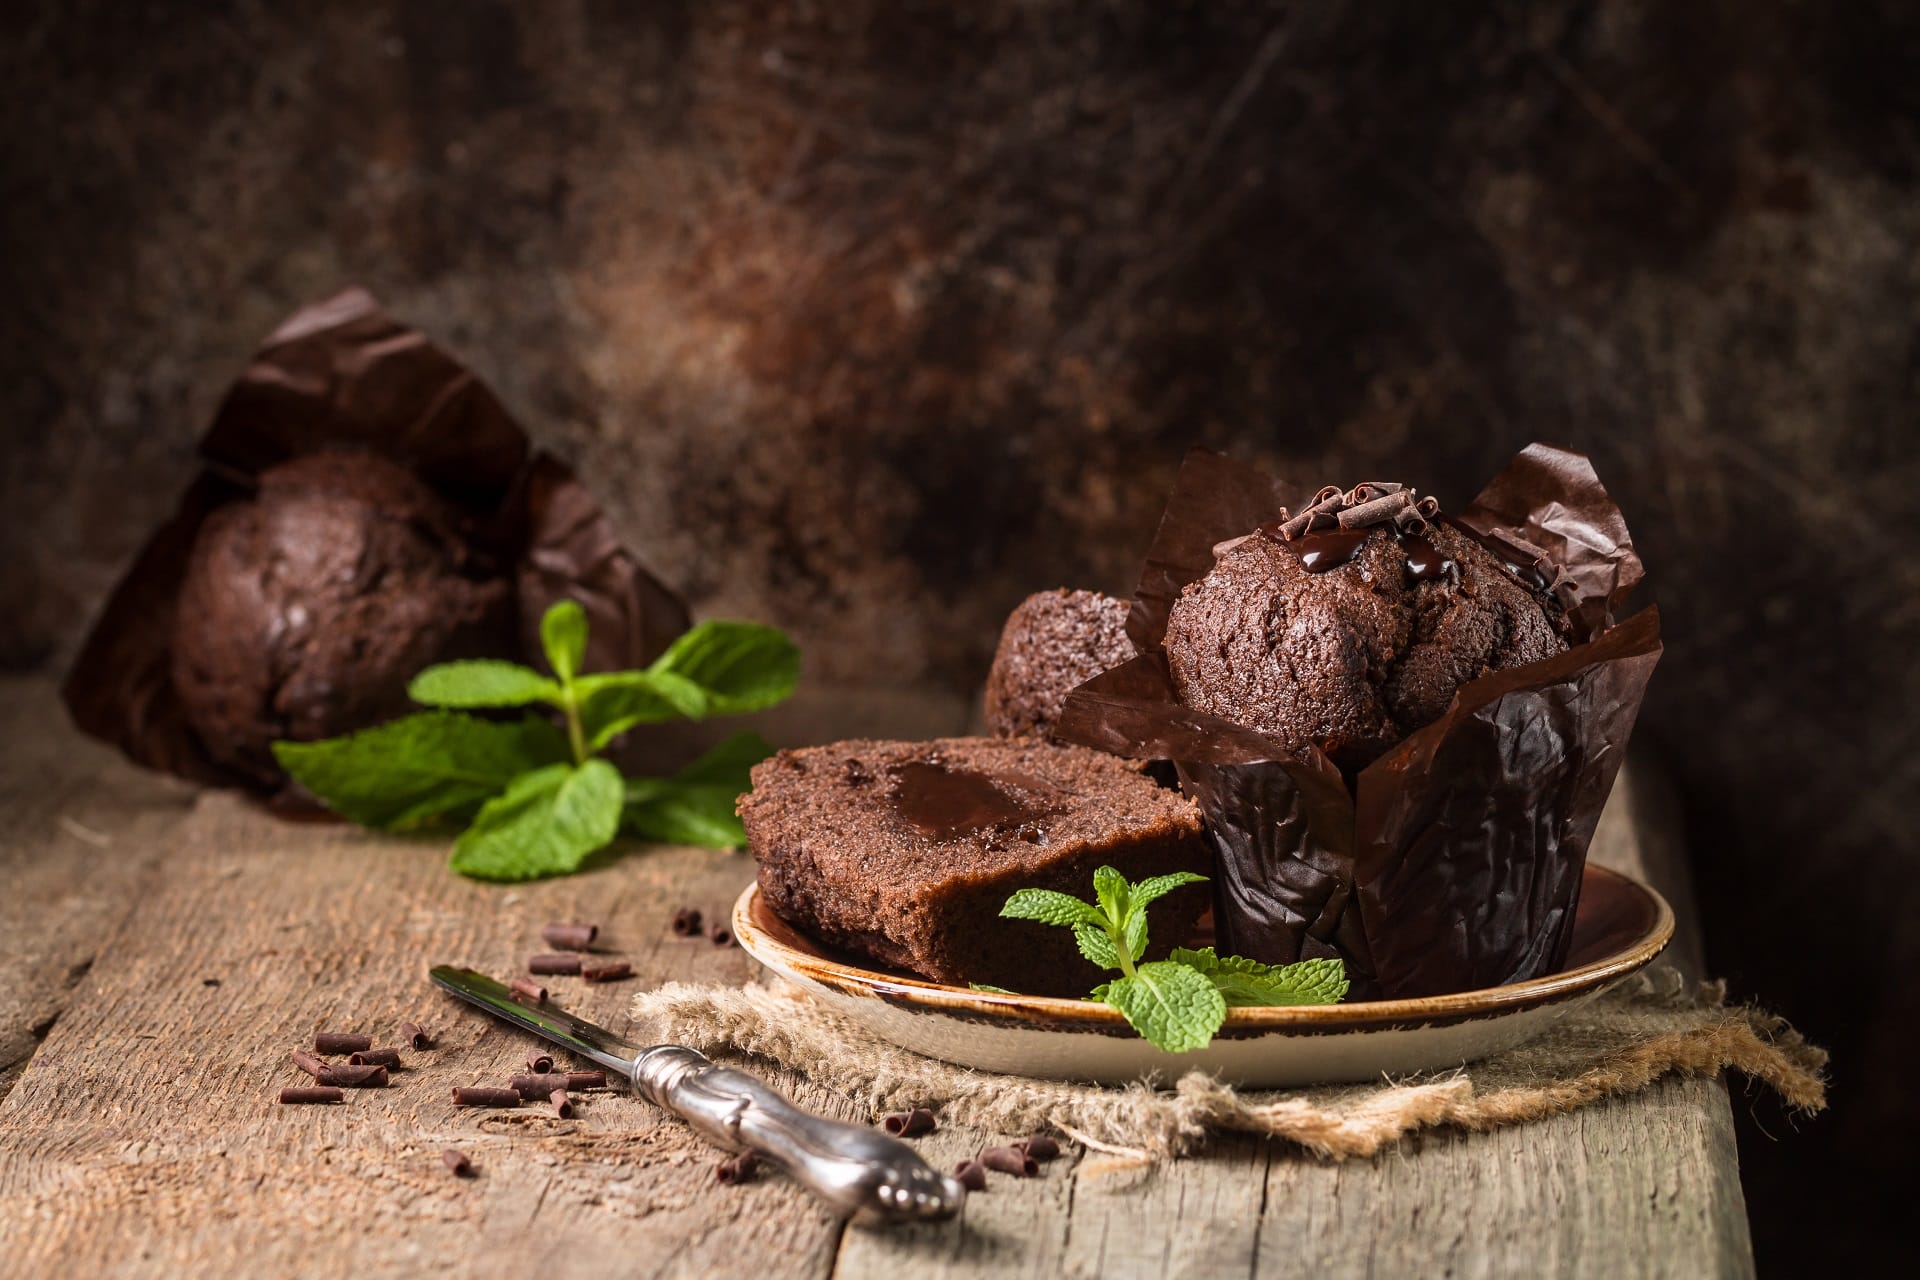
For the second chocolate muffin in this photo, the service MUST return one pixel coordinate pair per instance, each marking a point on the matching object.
(1053, 640)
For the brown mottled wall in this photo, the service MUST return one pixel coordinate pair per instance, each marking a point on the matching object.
(869, 319)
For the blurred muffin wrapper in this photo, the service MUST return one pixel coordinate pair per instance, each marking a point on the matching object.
(1454, 862)
(343, 375)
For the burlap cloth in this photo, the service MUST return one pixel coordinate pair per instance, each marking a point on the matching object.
(1650, 1026)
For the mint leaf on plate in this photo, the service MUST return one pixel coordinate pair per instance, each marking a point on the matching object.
(1115, 894)
(1050, 907)
(1170, 1003)
(545, 824)
(742, 666)
(438, 764)
(1155, 887)
(482, 682)
(1250, 984)
(1097, 945)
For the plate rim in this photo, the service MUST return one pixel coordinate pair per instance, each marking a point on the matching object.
(1057, 1011)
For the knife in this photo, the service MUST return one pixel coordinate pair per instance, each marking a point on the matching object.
(859, 1172)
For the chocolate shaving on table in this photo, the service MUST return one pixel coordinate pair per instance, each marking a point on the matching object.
(412, 1033)
(300, 1095)
(686, 922)
(308, 1063)
(480, 1096)
(1010, 1160)
(540, 1063)
(721, 937)
(1377, 869)
(375, 1057)
(340, 1042)
(578, 1080)
(909, 1124)
(343, 374)
(1040, 1146)
(457, 1162)
(740, 1168)
(612, 971)
(971, 1174)
(570, 937)
(543, 1084)
(557, 963)
(562, 1105)
(371, 1076)
(528, 989)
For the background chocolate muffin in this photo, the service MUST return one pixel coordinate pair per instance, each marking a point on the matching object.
(1053, 641)
(1352, 658)
(306, 609)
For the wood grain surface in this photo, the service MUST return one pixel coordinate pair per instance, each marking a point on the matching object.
(143, 1138)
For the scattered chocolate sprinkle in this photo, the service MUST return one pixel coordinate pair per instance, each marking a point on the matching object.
(1010, 1160)
(209, 982)
(610, 972)
(570, 937)
(308, 1063)
(972, 1175)
(740, 1168)
(539, 1062)
(376, 1057)
(528, 989)
(1040, 1146)
(370, 1076)
(556, 963)
(340, 1042)
(562, 1105)
(909, 1124)
(302, 1095)
(541, 1085)
(412, 1033)
(578, 1080)
(721, 937)
(475, 1096)
(686, 922)
(458, 1162)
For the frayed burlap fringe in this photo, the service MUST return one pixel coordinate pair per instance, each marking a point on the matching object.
(1650, 1026)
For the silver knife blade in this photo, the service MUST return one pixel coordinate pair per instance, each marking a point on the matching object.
(616, 1053)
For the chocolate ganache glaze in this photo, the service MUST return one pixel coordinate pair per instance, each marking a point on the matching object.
(945, 803)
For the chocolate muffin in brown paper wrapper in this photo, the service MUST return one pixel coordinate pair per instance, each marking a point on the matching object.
(1453, 861)
(366, 507)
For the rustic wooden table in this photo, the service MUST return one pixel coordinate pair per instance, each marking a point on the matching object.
(166, 950)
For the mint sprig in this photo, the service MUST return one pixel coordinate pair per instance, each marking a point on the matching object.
(1180, 1002)
(534, 793)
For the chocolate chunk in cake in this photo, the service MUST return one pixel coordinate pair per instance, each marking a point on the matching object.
(904, 852)
(1053, 641)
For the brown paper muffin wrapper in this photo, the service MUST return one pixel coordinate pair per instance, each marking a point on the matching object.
(343, 374)
(1454, 861)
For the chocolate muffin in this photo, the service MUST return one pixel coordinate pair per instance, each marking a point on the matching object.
(1351, 638)
(1053, 641)
(306, 609)
(904, 852)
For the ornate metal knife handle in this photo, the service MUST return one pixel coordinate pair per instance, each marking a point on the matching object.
(859, 1171)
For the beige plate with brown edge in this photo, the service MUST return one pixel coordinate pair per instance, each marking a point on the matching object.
(1620, 926)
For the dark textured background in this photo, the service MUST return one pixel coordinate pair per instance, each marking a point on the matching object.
(868, 320)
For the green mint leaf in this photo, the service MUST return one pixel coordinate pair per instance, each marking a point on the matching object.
(482, 682)
(743, 666)
(1099, 994)
(563, 634)
(1114, 893)
(697, 806)
(1096, 944)
(1248, 983)
(1172, 1004)
(1049, 907)
(545, 824)
(988, 986)
(1159, 886)
(1136, 932)
(683, 695)
(438, 764)
(612, 704)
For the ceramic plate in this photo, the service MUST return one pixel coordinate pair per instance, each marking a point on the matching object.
(1621, 926)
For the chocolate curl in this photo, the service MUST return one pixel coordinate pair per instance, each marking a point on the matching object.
(528, 989)
(686, 922)
(909, 1124)
(1373, 512)
(540, 1063)
(721, 937)
(340, 1042)
(343, 374)
(457, 1162)
(376, 1058)
(1328, 495)
(562, 1105)
(362, 1077)
(553, 964)
(1010, 1160)
(308, 1063)
(1040, 1146)
(541, 1085)
(1367, 490)
(740, 1168)
(570, 937)
(476, 1096)
(578, 1080)
(971, 1174)
(412, 1033)
(610, 972)
(1428, 507)
(1409, 520)
(309, 1094)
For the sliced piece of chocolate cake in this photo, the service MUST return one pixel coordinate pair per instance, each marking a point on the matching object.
(904, 852)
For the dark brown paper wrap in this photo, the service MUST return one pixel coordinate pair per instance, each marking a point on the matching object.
(1454, 862)
(343, 374)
